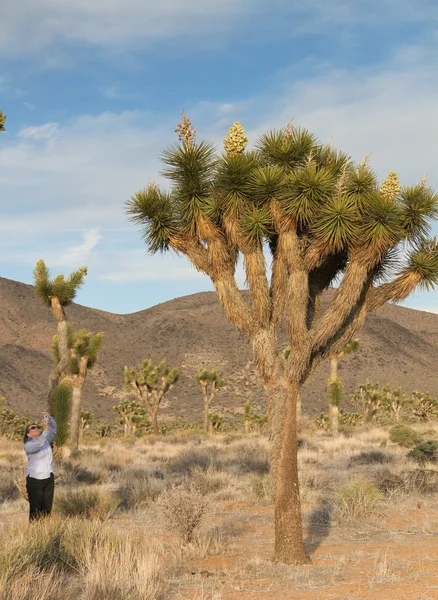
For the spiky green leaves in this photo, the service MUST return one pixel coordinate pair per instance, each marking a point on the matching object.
(256, 226)
(191, 168)
(2, 121)
(419, 205)
(337, 226)
(287, 148)
(307, 190)
(336, 391)
(210, 376)
(232, 181)
(61, 288)
(423, 262)
(150, 376)
(155, 211)
(382, 224)
(60, 408)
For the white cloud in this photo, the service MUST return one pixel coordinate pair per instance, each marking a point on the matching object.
(30, 26)
(79, 255)
(42, 132)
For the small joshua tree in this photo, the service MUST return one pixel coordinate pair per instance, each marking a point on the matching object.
(368, 400)
(150, 383)
(131, 415)
(86, 419)
(83, 348)
(336, 385)
(60, 409)
(56, 294)
(210, 383)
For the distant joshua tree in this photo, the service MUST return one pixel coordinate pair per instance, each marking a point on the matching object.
(336, 385)
(56, 294)
(150, 383)
(210, 382)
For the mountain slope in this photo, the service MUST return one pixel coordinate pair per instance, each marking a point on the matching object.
(399, 347)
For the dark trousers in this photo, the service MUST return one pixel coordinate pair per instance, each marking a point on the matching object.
(40, 494)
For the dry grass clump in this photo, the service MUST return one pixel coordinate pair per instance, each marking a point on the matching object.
(101, 563)
(407, 481)
(370, 457)
(72, 474)
(184, 509)
(358, 499)
(261, 488)
(122, 568)
(188, 460)
(90, 503)
(8, 489)
(247, 457)
(210, 481)
(138, 489)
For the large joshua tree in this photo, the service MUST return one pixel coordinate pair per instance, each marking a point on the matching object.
(150, 383)
(210, 383)
(321, 218)
(336, 385)
(56, 294)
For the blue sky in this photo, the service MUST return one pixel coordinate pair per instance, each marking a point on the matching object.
(93, 91)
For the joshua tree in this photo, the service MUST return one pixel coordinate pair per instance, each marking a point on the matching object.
(2, 121)
(131, 416)
(84, 353)
(86, 419)
(83, 348)
(56, 294)
(150, 383)
(210, 383)
(320, 216)
(336, 385)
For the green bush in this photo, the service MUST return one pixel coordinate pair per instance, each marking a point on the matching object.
(357, 499)
(424, 452)
(404, 435)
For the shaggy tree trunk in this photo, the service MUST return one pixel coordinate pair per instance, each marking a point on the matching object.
(154, 416)
(299, 411)
(334, 419)
(64, 351)
(289, 546)
(76, 403)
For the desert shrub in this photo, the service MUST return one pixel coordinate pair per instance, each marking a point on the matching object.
(32, 586)
(138, 490)
(424, 452)
(404, 435)
(72, 474)
(248, 458)
(8, 489)
(184, 509)
(407, 482)
(90, 503)
(261, 487)
(357, 499)
(136, 571)
(188, 460)
(209, 481)
(371, 457)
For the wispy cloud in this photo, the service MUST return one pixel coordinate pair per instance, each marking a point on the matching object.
(41, 132)
(79, 255)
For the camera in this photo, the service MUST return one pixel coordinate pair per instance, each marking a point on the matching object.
(46, 417)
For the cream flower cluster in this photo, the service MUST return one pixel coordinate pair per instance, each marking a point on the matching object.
(236, 140)
(390, 187)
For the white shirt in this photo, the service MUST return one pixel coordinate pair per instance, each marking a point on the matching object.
(39, 453)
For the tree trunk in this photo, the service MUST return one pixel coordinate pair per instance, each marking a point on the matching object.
(333, 367)
(64, 353)
(76, 402)
(289, 546)
(155, 428)
(299, 411)
(206, 420)
(334, 419)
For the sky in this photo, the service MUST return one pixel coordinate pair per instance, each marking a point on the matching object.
(93, 91)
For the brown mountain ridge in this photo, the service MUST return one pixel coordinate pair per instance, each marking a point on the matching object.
(399, 347)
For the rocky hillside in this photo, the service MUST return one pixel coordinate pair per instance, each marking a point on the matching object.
(399, 347)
